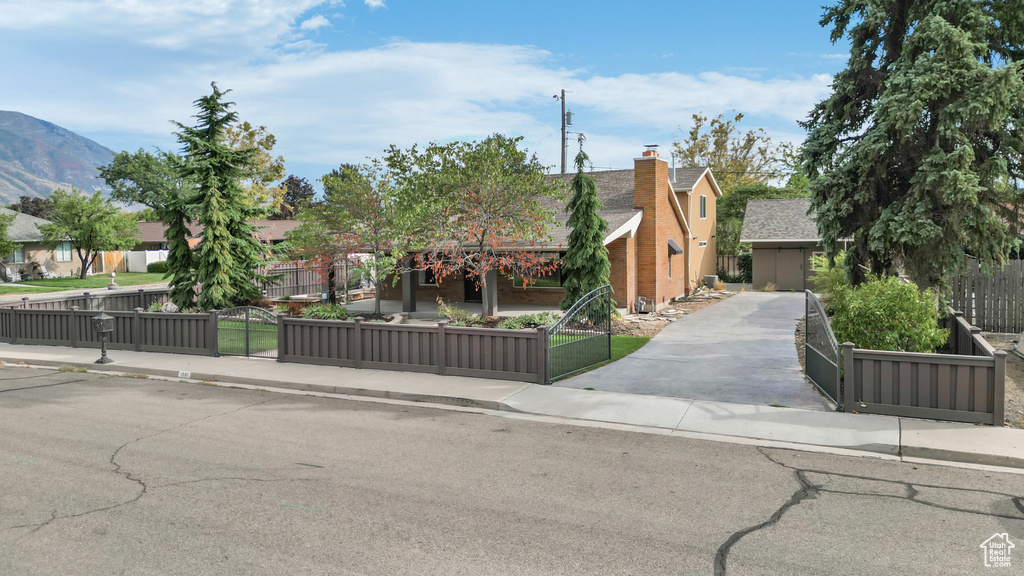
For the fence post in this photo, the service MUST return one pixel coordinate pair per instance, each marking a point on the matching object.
(137, 329)
(14, 325)
(542, 355)
(74, 326)
(212, 334)
(975, 333)
(86, 301)
(24, 302)
(142, 298)
(281, 335)
(848, 377)
(359, 342)
(999, 390)
(442, 345)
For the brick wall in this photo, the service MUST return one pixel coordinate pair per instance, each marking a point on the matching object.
(622, 256)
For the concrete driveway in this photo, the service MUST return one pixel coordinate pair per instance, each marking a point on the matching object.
(739, 350)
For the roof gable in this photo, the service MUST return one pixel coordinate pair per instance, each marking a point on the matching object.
(781, 220)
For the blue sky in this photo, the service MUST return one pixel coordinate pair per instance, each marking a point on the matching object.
(340, 81)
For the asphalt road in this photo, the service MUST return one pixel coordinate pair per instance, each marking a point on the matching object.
(111, 475)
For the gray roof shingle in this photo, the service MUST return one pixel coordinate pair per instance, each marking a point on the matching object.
(614, 189)
(25, 228)
(785, 219)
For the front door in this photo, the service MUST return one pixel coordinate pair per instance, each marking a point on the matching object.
(473, 292)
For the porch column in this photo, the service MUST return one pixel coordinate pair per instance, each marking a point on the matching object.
(490, 293)
(410, 280)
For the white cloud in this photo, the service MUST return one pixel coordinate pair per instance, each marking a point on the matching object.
(330, 106)
(374, 4)
(315, 23)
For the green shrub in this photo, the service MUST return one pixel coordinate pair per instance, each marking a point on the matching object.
(745, 262)
(529, 321)
(457, 316)
(830, 281)
(157, 267)
(325, 312)
(155, 307)
(888, 314)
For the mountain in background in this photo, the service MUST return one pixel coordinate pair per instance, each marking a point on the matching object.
(37, 157)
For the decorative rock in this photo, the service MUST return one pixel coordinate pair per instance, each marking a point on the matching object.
(169, 307)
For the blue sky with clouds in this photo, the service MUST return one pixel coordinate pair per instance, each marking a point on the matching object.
(340, 81)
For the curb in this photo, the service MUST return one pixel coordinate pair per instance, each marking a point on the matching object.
(200, 376)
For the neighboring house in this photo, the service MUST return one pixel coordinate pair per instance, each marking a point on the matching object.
(661, 241)
(783, 238)
(151, 234)
(35, 251)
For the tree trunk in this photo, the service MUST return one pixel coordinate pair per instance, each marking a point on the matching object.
(86, 262)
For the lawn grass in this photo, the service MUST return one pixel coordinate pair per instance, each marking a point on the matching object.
(621, 346)
(99, 281)
(16, 289)
(231, 337)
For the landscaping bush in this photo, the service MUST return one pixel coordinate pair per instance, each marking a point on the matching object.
(830, 280)
(887, 314)
(325, 312)
(529, 321)
(157, 268)
(745, 262)
(457, 316)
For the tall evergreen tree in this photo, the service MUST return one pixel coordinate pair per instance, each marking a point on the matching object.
(585, 265)
(230, 254)
(917, 152)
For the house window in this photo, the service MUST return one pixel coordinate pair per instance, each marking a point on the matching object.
(550, 280)
(703, 206)
(702, 244)
(427, 277)
(18, 256)
(63, 251)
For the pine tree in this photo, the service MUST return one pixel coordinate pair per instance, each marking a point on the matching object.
(918, 151)
(229, 254)
(585, 265)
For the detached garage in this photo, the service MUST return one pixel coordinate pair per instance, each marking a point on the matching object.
(783, 238)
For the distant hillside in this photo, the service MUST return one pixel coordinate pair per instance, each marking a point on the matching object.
(37, 157)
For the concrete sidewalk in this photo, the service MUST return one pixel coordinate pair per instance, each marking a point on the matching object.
(813, 429)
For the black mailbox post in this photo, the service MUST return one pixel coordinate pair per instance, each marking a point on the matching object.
(104, 325)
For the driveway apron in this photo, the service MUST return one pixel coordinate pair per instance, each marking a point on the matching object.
(739, 350)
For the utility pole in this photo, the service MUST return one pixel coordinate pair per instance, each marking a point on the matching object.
(556, 97)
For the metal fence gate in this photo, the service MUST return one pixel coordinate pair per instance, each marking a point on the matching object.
(583, 337)
(247, 331)
(821, 351)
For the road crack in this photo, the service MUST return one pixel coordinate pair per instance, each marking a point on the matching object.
(143, 488)
(809, 490)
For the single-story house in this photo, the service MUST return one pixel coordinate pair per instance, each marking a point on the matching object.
(783, 237)
(152, 234)
(35, 251)
(661, 241)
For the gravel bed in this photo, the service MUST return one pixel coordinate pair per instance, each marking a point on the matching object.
(650, 324)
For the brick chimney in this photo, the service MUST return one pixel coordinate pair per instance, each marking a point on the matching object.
(650, 192)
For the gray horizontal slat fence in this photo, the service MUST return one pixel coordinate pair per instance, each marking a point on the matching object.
(100, 301)
(319, 342)
(42, 327)
(178, 333)
(500, 354)
(122, 338)
(967, 386)
(436, 349)
(993, 302)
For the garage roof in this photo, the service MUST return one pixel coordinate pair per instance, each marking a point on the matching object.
(779, 220)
